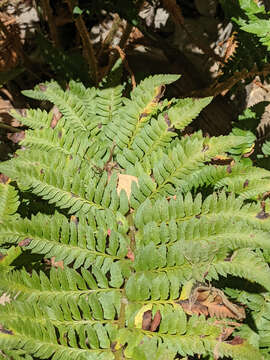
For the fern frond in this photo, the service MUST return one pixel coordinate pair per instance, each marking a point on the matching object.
(245, 264)
(152, 138)
(68, 241)
(108, 103)
(174, 169)
(137, 111)
(180, 210)
(35, 119)
(176, 338)
(67, 181)
(167, 265)
(251, 36)
(9, 202)
(58, 140)
(245, 180)
(76, 109)
(186, 110)
(41, 336)
(65, 287)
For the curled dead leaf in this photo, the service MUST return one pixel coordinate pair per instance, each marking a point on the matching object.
(221, 311)
(210, 301)
(74, 219)
(221, 160)
(245, 183)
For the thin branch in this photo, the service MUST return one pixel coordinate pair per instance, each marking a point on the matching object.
(9, 127)
(45, 4)
(123, 57)
(111, 34)
(87, 45)
(225, 86)
(125, 35)
(114, 56)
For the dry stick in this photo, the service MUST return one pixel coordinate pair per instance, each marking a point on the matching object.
(175, 11)
(88, 47)
(45, 4)
(125, 36)
(123, 41)
(122, 44)
(7, 93)
(9, 127)
(123, 57)
(111, 34)
(228, 84)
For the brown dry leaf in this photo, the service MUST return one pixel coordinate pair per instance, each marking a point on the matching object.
(175, 11)
(226, 332)
(130, 255)
(147, 319)
(16, 137)
(230, 47)
(195, 308)
(4, 179)
(24, 242)
(5, 105)
(148, 323)
(57, 264)
(221, 311)
(156, 321)
(221, 160)
(5, 299)
(236, 341)
(124, 182)
(213, 302)
(56, 117)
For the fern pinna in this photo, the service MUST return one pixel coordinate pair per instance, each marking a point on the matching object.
(123, 238)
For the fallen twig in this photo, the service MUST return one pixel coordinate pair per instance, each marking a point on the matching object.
(88, 47)
(51, 22)
(224, 87)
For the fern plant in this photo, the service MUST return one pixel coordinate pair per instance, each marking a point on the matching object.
(147, 224)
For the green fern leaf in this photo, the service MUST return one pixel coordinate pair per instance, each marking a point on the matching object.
(186, 110)
(9, 202)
